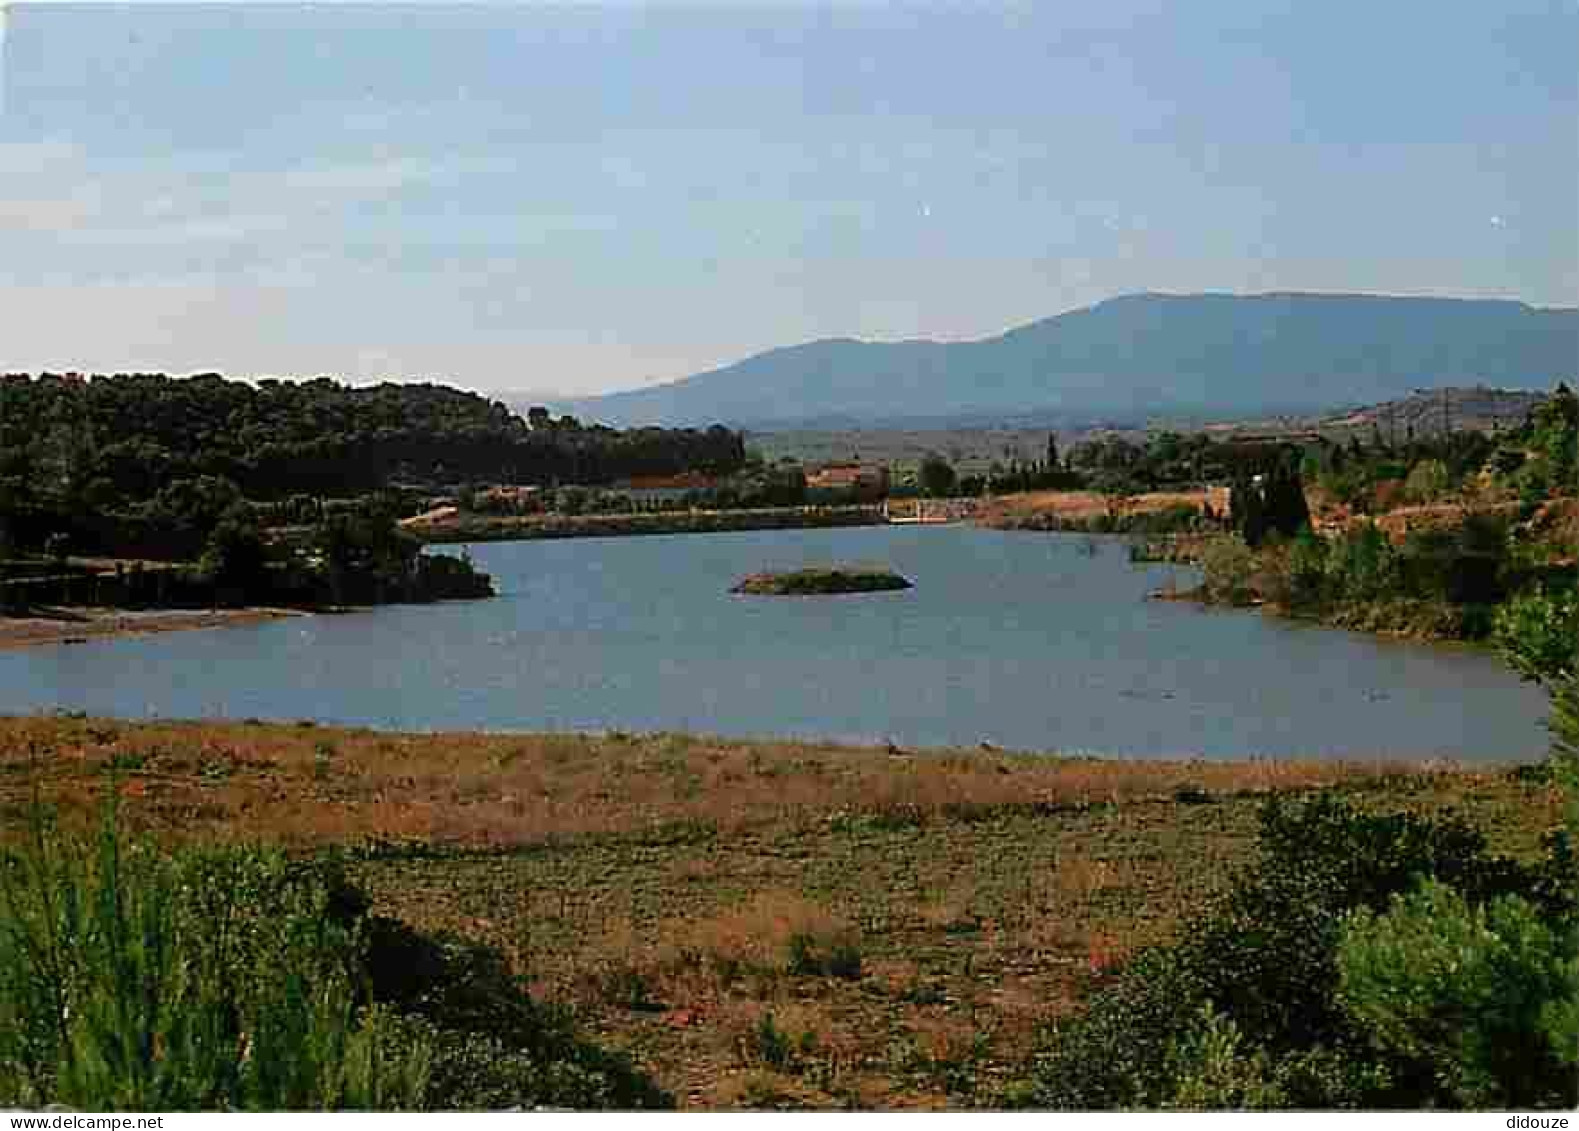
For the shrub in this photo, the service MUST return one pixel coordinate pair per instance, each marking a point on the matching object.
(239, 979)
(629, 988)
(809, 955)
(1265, 958)
(214, 979)
(1271, 947)
(844, 961)
(1564, 725)
(1212, 1071)
(1362, 564)
(1428, 480)
(1307, 568)
(1172, 519)
(1538, 633)
(1481, 1002)
(1226, 568)
(772, 1044)
(235, 558)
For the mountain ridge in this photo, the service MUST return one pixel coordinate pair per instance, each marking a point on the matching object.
(1140, 352)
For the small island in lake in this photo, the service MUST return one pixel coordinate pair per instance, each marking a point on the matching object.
(822, 580)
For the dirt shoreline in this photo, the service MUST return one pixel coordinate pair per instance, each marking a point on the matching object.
(80, 625)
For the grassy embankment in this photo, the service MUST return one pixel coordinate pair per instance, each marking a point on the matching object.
(757, 923)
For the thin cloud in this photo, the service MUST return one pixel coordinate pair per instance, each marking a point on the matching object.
(373, 177)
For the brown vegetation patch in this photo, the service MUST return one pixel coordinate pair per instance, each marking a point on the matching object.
(309, 785)
(1081, 506)
(760, 924)
(1399, 522)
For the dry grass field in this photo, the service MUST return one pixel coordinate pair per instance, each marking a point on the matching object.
(1083, 506)
(760, 924)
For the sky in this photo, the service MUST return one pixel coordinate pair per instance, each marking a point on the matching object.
(580, 197)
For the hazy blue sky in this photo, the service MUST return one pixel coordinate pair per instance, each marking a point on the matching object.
(586, 197)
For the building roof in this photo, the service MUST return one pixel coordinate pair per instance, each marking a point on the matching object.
(689, 480)
(846, 475)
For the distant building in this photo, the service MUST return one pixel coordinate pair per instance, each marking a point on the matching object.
(509, 500)
(664, 488)
(865, 481)
(438, 516)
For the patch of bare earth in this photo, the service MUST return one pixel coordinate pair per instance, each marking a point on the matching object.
(1080, 506)
(77, 625)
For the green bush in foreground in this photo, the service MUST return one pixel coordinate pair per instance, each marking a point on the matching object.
(1212, 1070)
(1538, 633)
(1482, 1001)
(238, 979)
(1246, 1009)
(132, 980)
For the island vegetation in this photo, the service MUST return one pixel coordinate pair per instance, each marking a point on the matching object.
(822, 581)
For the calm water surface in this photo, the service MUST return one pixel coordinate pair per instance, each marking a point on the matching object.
(1027, 641)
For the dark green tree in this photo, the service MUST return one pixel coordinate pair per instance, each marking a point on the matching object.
(235, 557)
(936, 476)
(1284, 503)
(1247, 511)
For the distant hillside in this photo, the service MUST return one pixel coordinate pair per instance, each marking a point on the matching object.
(1425, 412)
(1432, 412)
(1143, 355)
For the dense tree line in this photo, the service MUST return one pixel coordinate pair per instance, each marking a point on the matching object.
(106, 441)
(1167, 459)
(145, 465)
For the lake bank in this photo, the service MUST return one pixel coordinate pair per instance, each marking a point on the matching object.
(78, 625)
(908, 924)
(487, 528)
(1023, 642)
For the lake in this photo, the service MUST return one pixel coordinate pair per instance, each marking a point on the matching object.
(1027, 641)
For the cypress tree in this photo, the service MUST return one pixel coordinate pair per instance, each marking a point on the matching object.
(1285, 507)
(1247, 511)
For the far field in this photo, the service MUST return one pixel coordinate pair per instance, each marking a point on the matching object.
(1084, 506)
(759, 923)
(974, 445)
